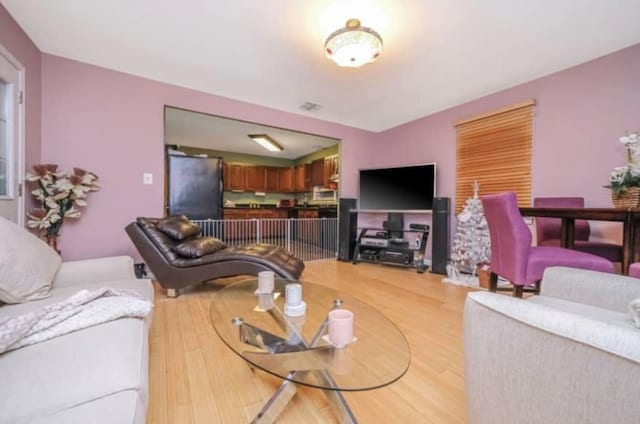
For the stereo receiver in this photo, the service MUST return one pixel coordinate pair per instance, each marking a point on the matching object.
(374, 242)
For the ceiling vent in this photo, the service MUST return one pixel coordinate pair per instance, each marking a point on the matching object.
(310, 107)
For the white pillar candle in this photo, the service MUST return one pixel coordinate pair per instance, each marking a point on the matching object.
(293, 293)
(265, 281)
(294, 329)
(265, 301)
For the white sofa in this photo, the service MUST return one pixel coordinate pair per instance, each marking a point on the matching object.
(570, 355)
(96, 375)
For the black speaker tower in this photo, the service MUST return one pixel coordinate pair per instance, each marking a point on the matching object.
(440, 237)
(347, 228)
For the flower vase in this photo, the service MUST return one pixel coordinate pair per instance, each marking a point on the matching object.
(627, 199)
(52, 241)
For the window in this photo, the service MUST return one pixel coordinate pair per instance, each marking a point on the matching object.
(494, 149)
(5, 157)
(11, 138)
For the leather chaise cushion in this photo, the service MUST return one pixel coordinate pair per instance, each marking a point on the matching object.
(160, 240)
(178, 227)
(274, 257)
(199, 247)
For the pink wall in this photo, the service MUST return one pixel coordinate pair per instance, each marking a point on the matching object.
(111, 123)
(22, 48)
(580, 114)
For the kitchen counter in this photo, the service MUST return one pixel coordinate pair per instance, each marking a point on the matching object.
(262, 211)
(273, 206)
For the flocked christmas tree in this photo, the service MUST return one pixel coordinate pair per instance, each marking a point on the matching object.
(471, 244)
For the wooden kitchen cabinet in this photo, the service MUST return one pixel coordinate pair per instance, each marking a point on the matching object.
(233, 213)
(323, 169)
(307, 180)
(298, 178)
(233, 230)
(280, 213)
(243, 213)
(307, 231)
(273, 224)
(254, 213)
(303, 178)
(308, 213)
(255, 178)
(272, 178)
(233, 175)
(330, 169)
(317, 173)
(286, 180)
(270, 228)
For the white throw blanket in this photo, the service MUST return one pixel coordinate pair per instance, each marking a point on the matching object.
(83, 309)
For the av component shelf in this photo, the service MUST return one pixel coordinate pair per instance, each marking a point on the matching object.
(376, 246)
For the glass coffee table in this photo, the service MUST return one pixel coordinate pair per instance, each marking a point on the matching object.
(297, 350)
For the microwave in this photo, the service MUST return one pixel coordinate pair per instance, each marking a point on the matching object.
(286, 203)
(324, 194)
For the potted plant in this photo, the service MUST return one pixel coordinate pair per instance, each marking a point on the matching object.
(483, 270)
(59, 193)
(624, 181)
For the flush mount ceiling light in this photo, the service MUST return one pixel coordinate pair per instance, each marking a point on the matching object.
(267, 142)
(353, 45)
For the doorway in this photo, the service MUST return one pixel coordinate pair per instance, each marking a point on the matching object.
(303, 171)
(11, 138)
(285, 195)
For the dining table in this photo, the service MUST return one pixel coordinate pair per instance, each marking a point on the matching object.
(629, 217)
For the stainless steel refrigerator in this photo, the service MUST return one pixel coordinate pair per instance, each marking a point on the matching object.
(194, 186)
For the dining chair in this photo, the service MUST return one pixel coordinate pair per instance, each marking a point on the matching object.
(548, 229)
(512, 256)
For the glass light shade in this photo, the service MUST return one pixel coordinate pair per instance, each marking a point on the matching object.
(267, 142)
(353, 45)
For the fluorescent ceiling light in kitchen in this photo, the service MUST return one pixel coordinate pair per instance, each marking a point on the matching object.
(267, 142)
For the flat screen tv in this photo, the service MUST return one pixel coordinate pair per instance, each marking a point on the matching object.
(401, 189)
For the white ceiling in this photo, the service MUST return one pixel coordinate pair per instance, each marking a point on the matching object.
(191, 129)
(437, 53)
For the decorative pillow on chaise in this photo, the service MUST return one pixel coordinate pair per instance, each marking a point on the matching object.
(199, 247)
(27, 264)
(178, 227)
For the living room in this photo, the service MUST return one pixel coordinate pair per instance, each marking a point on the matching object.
(110, 120)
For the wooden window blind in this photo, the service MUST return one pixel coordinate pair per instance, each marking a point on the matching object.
(494, 149)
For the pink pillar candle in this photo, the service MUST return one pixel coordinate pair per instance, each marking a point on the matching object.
(340, 327)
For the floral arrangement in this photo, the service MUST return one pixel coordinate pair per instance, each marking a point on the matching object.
(58, 193)
(625, 177)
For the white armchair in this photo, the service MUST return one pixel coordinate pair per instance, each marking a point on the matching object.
(570, 355)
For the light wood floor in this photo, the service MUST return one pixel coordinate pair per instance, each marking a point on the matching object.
(195, 378)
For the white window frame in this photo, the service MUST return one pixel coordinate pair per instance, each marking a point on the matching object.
(21, 141)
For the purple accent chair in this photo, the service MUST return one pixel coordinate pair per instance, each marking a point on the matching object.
(634, 270)
(513, 257)
(548, 229)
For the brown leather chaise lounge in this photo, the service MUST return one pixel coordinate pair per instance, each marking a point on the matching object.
(173, 271)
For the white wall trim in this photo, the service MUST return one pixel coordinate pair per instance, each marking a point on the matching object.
(21, 129)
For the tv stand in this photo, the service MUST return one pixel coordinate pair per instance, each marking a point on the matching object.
(379, 245)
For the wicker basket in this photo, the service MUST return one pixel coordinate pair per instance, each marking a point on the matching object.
(628, 199)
